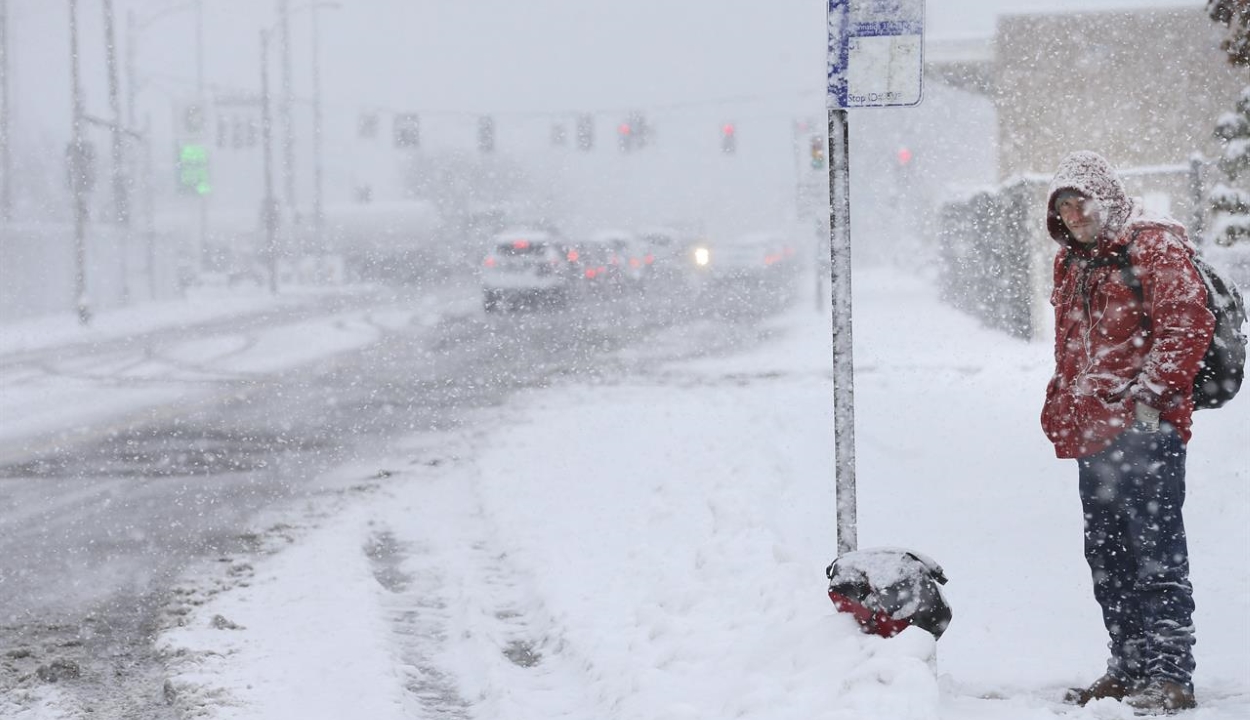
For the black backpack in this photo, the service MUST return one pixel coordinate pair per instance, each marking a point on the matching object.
(1224, 365)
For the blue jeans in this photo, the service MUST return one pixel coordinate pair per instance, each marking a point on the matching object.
(1132, 494)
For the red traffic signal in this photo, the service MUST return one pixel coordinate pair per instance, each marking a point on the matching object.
(625, 134)
(728, 139)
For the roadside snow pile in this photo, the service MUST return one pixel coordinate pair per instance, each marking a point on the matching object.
(650, 549)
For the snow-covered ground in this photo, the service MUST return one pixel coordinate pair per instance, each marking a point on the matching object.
(654, 547)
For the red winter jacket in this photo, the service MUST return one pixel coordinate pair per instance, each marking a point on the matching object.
(1105, 361)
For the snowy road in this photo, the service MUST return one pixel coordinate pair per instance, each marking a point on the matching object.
(167, 445)
(640, 533)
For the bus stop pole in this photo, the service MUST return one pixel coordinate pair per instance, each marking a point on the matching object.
(843, 361)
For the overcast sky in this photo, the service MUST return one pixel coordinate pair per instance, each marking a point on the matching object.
(486, 54)
(690, 64)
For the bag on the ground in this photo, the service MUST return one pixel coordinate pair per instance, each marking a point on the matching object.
(888, 590)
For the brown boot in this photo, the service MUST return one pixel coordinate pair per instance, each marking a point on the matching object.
(1107, 686)
(1162, 697)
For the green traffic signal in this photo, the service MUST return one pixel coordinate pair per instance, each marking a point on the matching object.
(193, 169)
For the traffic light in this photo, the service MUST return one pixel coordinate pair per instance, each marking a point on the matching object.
(559, 135)
(237, 130)
(193, 168)
(641, 130)
(406, 130)
(192, 121)
(818, 152)
(633, 133)
(625, 136)
(728, 139)
(486, 134)
(585, 132)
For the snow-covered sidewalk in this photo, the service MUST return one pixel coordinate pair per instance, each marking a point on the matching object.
(654, 547)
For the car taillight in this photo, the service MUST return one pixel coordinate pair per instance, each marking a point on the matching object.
(649, 259)
(771, 259)
(520, 244)
(490, 262)
(590, 273)
(573, 255)
(634, 263)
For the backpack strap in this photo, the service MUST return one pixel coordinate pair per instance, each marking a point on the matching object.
(1128, 275)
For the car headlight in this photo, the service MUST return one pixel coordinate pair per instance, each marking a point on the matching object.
(702, 256)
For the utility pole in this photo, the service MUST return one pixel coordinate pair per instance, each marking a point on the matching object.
(6, 163)
(199, 96)
(318, 197)
(77, 173)
(132, 90)
(149, 206)
(288, 100)
(269, 208)
(121, 200)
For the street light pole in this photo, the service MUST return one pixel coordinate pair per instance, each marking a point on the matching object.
(318, 190)
(269, 209)
(132, 90)
(199, 48)
(78, 173)
(121, 201)
(6, 164)
(200, 100)
(288, 99)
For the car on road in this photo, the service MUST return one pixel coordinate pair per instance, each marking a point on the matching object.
(669, 250)
(628, 253)
(525, 268)
(751, 269)
(608, 260)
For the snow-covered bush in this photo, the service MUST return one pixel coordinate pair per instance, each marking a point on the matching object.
(1230, 200)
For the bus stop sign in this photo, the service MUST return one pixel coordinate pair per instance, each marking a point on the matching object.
(876, 53)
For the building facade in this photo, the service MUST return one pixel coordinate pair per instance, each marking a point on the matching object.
(1141, 87)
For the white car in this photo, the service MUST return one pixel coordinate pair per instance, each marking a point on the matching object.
(525, 267)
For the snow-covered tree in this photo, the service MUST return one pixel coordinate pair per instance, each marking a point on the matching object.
(1230, 199)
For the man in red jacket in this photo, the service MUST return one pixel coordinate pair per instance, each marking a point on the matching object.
(1131, 327)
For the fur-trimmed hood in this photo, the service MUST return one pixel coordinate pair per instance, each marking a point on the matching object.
(1092, 176)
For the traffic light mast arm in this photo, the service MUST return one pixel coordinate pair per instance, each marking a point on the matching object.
(108, 125)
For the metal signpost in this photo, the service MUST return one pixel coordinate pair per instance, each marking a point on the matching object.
(875, 59)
